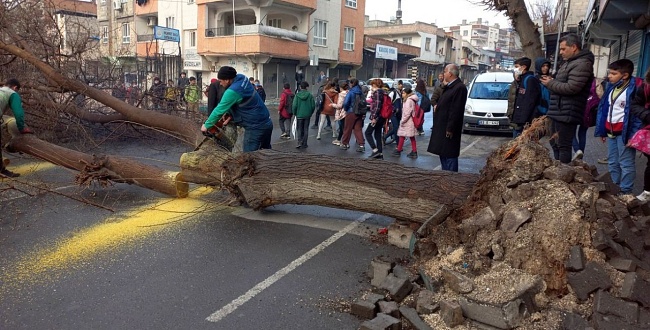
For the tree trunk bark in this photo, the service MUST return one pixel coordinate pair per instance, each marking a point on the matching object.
(527, 30)
(102, 168)
(266, 177)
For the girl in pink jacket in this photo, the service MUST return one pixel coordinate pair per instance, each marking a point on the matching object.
(406, 126)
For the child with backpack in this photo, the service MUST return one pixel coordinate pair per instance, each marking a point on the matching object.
(616, 124)
(284, 111)
(396, 100)
(406, 126)
(376, 126)
(527, 96)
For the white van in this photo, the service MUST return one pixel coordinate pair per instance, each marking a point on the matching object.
(487, 103)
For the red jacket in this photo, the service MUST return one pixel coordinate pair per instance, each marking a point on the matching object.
(283, 103)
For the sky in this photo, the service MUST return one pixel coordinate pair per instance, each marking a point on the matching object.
(443, 13)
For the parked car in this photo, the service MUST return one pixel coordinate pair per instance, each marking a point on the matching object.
(387, 81)
(405, 81)
(487, 103)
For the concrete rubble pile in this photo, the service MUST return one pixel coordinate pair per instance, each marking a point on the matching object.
(538, 245)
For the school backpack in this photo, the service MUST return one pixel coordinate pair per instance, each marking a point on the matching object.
(288, 103)
(418, 115)
(425, 103)
(360, 105)
(545, 96)
(386, 107)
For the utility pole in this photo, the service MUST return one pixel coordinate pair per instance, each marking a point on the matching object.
(560, 28)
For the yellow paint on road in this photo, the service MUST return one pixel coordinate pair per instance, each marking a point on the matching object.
(31, 167)
(88, 244)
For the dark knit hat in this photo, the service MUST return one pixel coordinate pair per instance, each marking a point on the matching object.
(226, 73)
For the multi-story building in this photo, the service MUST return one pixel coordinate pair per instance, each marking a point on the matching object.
(77, 24)
(431, 40)
(482, 35)
(115, 19)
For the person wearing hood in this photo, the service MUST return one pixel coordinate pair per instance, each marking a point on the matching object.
(526, 97)
(303, 107)
(569, 92)
(542, 67)
(245, 106)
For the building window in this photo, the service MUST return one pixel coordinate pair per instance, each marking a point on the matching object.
(126, 33)
(320, 33)
(102, 2)
(189, 2)
(427, 44)
(348, 39)
(407, 40)
(191, 38)
(465, 33)
(351, 3)
(104, 34)
(274, 22)
(169, 22)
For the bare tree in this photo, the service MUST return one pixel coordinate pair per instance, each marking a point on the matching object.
(521, 21)
(544, 10)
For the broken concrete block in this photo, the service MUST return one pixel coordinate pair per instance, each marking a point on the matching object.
(363, 309)
(576, 261)
(573, 321)
(400, 236)
(561, 172)
(506, 316)
(413, 318)
(457, 281)
(620, 211)
(374, 297)
(403, 272)
(451, 313)
(389, 307)
(498, 252)
(609, 322)
(424, 302)
(382, 322)
(379, 270)
(483, 218)
(398, 288)
(636, 289)
(592, 278)
(513, 219)
(621, 264)
(644, 318)
(606, 304)
(626, 236)
(599, 240)
(600, 186)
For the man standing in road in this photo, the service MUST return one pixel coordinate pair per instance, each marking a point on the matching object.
(10, 99)
(448, 120)
(569, 93)
(246, 107)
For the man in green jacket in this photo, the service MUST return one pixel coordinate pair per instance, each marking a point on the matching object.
(303, 107)
(10, 99)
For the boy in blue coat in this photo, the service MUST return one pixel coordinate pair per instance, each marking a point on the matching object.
(615, 124)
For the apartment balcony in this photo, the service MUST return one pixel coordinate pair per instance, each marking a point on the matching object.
(255, 29)
(150, 8)
(309, 4)
(253, 44)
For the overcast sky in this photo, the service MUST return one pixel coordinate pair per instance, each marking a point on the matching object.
(441, 12)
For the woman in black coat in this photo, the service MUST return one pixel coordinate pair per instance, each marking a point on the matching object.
(448, 120)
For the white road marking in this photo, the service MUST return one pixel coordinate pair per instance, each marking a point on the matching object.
(233, 305)
(462, 151)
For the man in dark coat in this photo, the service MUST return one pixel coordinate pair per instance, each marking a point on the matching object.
(448, 120)
(569, 93)
(215, 91)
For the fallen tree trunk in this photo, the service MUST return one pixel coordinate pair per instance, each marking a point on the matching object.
(266, 177)
(101, 168)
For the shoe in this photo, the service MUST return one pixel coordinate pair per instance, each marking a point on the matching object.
(345, 146)
(603, 161)
(397, 153)
(299, 146)
(412, 154)
(318, 137)
(376, 154)
(361, 149)
(287, 137)
(336, 142)
(283, 135)
(644, 196)
(9, 174)
(579, 154)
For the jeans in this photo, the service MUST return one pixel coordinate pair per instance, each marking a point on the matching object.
(285, 125)
(373, 134)
(256, 139)
(317, 119)
(341, 129)
(321, 122)
(302, 131)
(449, 163)
(562, 143)
(393, 130)
(580, 140)
(620, 162)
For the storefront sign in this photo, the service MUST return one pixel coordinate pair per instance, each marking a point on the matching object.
(386, 52)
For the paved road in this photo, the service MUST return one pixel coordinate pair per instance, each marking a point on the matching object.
(195, 263)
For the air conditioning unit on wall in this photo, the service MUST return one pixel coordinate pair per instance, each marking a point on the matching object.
(117, 5)
(152, 21)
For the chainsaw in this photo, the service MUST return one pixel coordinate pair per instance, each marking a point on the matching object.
(215, 132)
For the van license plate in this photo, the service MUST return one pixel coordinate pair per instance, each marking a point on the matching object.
(488, 122)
